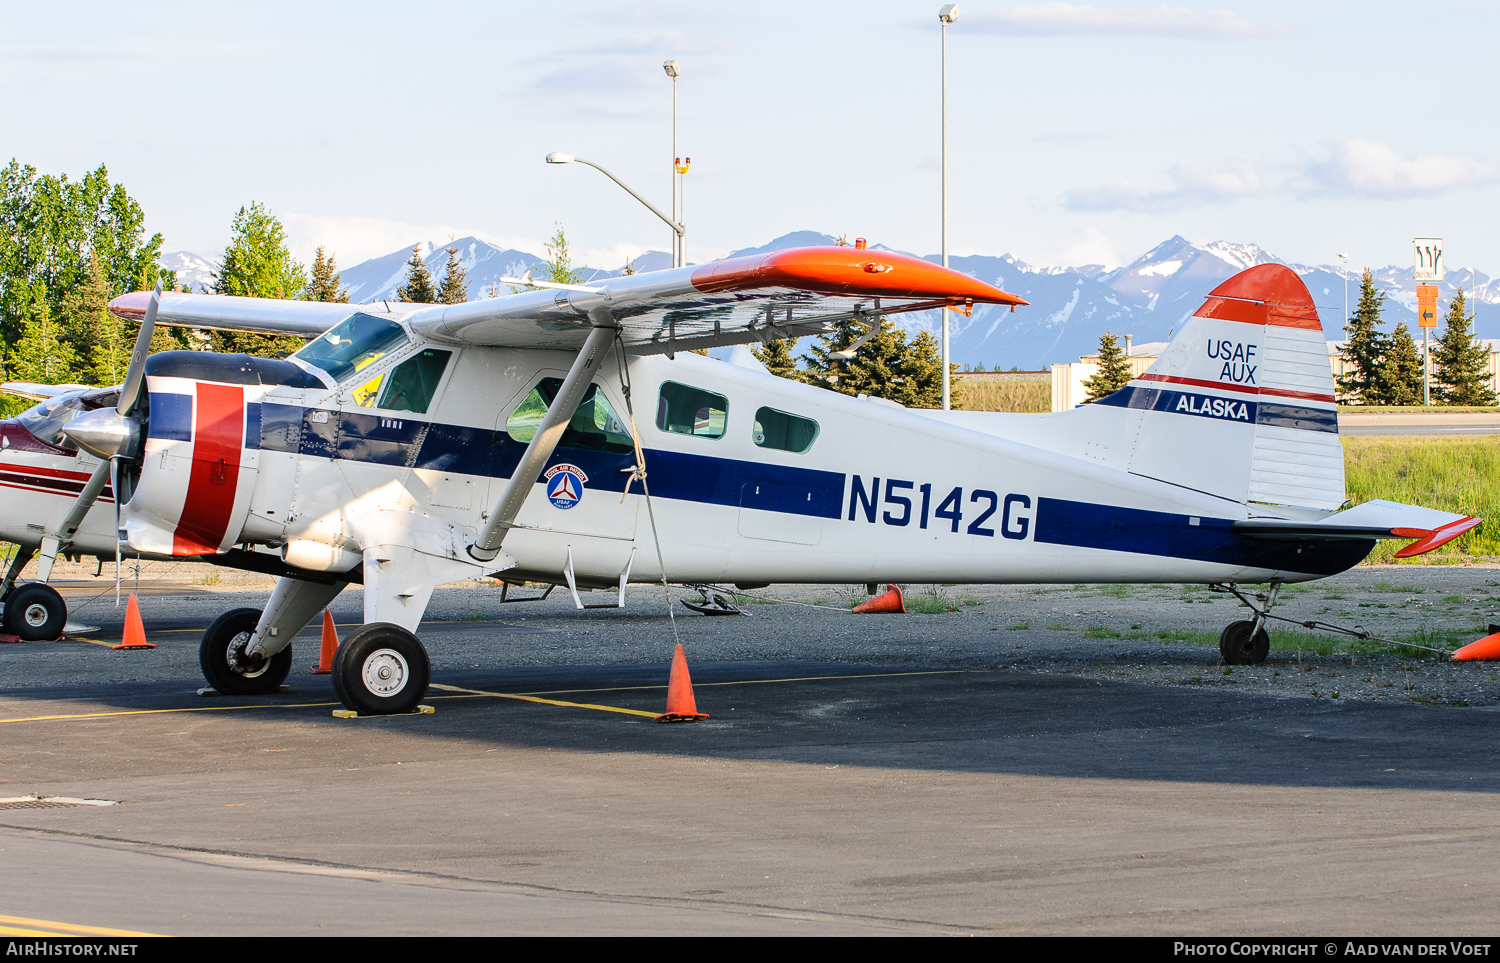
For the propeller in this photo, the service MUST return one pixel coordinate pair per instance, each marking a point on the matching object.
(112, 435)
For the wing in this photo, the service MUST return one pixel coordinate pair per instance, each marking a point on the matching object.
(788, 293)
(37, 392)
(305, 319)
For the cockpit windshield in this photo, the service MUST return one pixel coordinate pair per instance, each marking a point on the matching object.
(46, 420)
(353, 345)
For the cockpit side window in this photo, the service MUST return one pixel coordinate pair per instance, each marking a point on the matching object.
(353, 345)
(46, 420)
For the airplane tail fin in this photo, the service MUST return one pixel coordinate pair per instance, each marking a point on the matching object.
(1241, 403)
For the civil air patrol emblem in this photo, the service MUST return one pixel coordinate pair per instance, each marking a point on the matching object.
(565, 485)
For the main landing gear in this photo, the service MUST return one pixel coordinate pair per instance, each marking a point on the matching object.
(1246, 642)
(381, 669)
(34, 612)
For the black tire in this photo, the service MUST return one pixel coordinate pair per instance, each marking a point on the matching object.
(381, 669)
(227, 637)
(1238, 648)
(34, 612)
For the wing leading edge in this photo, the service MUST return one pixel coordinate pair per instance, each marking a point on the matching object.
(790, 293)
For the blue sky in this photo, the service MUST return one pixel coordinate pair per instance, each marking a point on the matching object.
(1078, 132)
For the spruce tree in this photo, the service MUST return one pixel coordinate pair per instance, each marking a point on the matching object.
(1461, 361)
(776, 355)
(1364, 352)
(1113, 372)
(875, 369)
(418, 287)
(923, 374)
(1401, 370)
(455, 286)
(324, 285)
(42, 354)
(257, 264)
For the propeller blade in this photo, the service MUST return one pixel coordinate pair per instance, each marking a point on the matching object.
(135, 375)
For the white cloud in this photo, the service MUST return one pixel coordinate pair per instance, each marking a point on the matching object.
(1362, 168)
(1071, 20)
(1193, 185)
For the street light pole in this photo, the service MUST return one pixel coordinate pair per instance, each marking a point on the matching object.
(672, 69)
(946, 15)
(1345, 258)
(557, 157)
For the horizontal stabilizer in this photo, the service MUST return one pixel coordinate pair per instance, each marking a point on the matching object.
(1372, 520)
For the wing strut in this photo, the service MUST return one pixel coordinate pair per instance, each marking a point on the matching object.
(548, 434)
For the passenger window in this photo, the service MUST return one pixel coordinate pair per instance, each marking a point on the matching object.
(411, 386)
(784, 432)
(691, 411)
(593, 427)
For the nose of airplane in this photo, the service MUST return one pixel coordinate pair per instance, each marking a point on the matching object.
(103, 432)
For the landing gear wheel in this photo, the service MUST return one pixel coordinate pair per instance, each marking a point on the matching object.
(1238, 647)
(225, 666)
(34, 612)
(381, 669)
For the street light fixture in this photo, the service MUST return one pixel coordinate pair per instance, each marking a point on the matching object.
(558, 157)
(678, 255)
(946, 15)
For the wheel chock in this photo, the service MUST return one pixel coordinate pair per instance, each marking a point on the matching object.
(352, 714)
(135, 631)
(681, 706)
(7, 639)
(208, 692)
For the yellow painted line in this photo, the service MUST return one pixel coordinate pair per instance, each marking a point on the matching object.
(79, 638)
(546, 702)
(22, 926)
(153, 712)
(808, 678)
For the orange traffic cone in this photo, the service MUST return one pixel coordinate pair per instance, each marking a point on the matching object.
(1486, 649)
(135, 632)
(330, 646)
(681, 706)
(891, 601)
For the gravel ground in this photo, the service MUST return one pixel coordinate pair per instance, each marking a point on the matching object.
(1155, 634)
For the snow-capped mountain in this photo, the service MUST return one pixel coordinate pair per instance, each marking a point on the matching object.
(1070, 306)
(196, 273)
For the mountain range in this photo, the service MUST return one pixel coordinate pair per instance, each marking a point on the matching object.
(1070, 306)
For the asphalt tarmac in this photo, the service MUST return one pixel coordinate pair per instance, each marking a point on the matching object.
(941, 788)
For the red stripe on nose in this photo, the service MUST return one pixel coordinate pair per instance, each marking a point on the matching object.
(218, 439)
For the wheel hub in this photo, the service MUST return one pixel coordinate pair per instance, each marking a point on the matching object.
(385, 672)
(35, 615)
(242, 664)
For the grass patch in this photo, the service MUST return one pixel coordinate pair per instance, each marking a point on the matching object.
(1100, 632)
(1031, 397)
(1390, 588)
(934, 601)
(1019, 626)
(1119, 591)
(1445, 473)
(209, 578)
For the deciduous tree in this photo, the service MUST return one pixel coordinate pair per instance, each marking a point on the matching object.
(257, 264)
(41, 354)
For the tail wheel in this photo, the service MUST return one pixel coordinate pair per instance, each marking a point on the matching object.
(225, 665)
(1239, 647)
(381, 669)
(34, 612)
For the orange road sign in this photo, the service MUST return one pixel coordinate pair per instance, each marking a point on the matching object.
(1427, 295)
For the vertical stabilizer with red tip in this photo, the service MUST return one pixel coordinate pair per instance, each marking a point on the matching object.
(1241, 404)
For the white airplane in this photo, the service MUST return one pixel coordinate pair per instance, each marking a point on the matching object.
(409, 445)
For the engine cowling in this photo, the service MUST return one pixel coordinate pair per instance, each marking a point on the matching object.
(200, 456)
